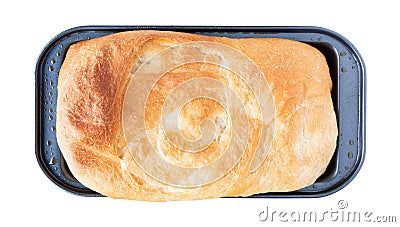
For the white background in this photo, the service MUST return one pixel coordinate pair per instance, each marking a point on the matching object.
(28, 197)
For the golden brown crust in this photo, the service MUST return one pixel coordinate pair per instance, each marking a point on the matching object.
(91, 88)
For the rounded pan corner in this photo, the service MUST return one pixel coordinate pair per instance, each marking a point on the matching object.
(68, 188)
(343, 40)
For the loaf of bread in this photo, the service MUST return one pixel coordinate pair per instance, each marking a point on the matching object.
(158, 116)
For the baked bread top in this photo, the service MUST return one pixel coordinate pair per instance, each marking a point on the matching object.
(155, 116)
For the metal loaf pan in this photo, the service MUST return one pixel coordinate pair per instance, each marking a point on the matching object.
(348, 94)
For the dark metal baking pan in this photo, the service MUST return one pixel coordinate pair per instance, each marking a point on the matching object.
(348, 94)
